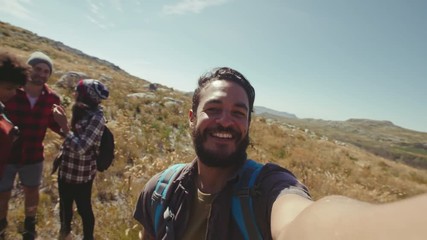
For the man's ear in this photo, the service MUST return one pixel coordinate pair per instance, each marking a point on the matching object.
(191, 118)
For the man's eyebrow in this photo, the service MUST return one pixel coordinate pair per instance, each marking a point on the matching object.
(242, 105)
(214, 101)
(239, 104)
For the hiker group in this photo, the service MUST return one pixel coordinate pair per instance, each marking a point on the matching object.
(28, 107)
(220, 194)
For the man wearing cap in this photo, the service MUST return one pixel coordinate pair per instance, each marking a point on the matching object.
(31, 110)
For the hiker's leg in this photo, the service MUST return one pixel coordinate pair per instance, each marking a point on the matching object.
(66, 198)
(6, 185)
(31, 195)
(31, 177)
(4, 203)
(84, 207)
(3, 225)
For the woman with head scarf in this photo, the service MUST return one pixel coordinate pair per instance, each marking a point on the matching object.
(77, 168)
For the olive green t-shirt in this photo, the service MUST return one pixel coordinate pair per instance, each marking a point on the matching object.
(198, 222)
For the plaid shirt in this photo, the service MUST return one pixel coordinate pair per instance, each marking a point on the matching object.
(80, 149)
(5, 138)
(32, 124)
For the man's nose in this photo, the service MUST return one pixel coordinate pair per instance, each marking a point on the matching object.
(44, 74)
(225, 119)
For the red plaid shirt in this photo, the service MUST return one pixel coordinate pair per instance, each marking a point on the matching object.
(32, 124)
(5, 138)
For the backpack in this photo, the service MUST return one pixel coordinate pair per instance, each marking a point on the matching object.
(106, 150)
(241, 202)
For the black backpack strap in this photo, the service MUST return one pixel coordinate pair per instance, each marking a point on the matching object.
(241, 202)
(158, 199)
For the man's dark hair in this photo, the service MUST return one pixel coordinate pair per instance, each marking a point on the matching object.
(228, 74)
(13, 70)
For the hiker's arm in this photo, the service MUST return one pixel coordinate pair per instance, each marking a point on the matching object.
(61, 119)
(52, 123)
(285, 209)
(143, 209)
(80, 143)
(337, 217)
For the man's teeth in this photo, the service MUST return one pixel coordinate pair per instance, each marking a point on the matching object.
(222, 135)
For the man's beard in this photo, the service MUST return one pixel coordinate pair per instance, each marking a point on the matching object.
(217, 158)
(36, 80)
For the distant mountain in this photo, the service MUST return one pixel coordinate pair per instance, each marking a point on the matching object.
(259, 110)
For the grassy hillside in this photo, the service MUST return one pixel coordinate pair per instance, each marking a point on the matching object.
(381, 138)
(151, 132)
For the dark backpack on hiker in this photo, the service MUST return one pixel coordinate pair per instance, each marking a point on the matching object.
(241, 202)
(106, 150)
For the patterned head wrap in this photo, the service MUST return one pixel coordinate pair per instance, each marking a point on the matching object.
(91, 91)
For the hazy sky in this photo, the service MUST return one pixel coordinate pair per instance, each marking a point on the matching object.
(326, 59)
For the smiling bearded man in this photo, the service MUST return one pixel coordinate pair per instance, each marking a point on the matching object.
(198, 200)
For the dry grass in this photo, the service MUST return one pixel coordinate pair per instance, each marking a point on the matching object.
(150, 136)
(328, 168)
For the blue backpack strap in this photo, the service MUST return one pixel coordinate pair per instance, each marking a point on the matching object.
(158, 198)
(241, 202)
